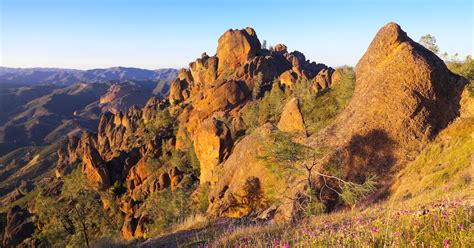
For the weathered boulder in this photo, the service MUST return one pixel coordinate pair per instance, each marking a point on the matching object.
(281, 48)
(178, 91)
(175, 177)
(70, 154)
(268, 66)
(248, 186)
(336, 76)
(291, 119)
(288, 78)
(235, 48)
(322, 81)
(204, 70)
(221, 97)
(129, 226)
(404, 95)
(212, 144)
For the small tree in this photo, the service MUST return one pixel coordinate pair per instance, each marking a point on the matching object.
(78, 217)
(429, 42)
(283, 154)
(257, 88)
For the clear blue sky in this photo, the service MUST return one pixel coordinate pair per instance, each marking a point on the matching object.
(155, 34)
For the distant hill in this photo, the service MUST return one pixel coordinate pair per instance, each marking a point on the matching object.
(64, 77)
(38, 105)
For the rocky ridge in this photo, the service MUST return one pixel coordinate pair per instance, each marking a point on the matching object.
(212, 89)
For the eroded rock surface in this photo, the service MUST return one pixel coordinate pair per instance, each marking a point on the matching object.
(404, 95)
(291, 119)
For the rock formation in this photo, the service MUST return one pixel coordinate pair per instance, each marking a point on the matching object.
(291, 119)
(467, 104)
(213, 144)
(201, 115)
(245, 181)
(235, 48)
(404, 96)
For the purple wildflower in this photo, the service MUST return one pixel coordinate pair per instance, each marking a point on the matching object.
(276, 243)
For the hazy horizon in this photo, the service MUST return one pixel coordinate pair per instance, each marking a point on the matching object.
(170, 34)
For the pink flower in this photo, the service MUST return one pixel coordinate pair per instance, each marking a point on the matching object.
(374, 230)
(285, 245)
(276, 243)
(446, 243)
(461, 226)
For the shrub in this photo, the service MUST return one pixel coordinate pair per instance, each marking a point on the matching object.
(266, 109)
(320, 109)
(165, 209)
(78, 217)
(283, 157)
(464, 68)
(203, 198)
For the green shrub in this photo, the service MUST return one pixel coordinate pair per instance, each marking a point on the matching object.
(78, 217)
(320, 109)
(165, 209)
(464, 68)
(203, 195)
(266, 109)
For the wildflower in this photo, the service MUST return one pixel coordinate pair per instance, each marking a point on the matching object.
(285, 245)
(446, 243)
(374, 230)
(461, 226)
(276, 243)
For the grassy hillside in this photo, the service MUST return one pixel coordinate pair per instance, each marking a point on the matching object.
(26, 166)
(445, 166)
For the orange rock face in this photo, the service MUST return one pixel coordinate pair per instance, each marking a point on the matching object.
(288, 78)
(291, 119)
(94, 168)
(204, 70)
(212, 145)
(178, 91)
(322, 81)
(404, 95)
(235, 48)
(240, 189)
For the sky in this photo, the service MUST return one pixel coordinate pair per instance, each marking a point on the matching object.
(152, 34)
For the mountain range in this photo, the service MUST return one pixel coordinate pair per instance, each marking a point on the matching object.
(65, 77)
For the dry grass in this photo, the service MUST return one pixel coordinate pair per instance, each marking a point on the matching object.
(196, 221)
